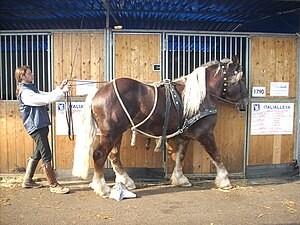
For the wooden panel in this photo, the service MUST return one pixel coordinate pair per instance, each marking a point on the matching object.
(274, 59)
(134, 55)
(11, 134)
(76, 56)
(15, 144)
(3, 138)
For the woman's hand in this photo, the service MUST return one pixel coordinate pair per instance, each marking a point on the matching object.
(65, 86)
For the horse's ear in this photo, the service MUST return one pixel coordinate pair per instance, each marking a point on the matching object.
(236, 60)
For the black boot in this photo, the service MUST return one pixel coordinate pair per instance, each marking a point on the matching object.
(55, 187)
(28, 182)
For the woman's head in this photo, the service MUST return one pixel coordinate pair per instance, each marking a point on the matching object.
(23, 75)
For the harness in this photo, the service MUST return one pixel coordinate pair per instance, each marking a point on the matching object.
(170, 91)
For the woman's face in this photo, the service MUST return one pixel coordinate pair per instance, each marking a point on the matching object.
(27, 77)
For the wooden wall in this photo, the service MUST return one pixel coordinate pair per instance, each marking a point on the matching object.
(274, 59)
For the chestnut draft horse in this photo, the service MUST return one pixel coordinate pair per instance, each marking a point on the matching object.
(190, 113)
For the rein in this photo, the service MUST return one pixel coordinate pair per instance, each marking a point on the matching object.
(225, 100)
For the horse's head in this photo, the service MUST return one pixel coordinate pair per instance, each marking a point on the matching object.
(230, 85)
(234, 88)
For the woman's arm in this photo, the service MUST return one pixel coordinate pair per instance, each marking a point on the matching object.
(31, 98)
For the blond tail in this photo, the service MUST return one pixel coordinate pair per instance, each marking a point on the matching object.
(84, 140)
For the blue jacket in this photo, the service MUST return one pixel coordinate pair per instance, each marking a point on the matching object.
(34, 117)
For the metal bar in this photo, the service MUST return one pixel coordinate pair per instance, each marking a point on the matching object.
(22, 50)
(210, 47)
(215, 46)
(43, 62)
(183, 56)
(51, 84)
(235, 45)
(105, 56)
(32, 55)
(163, 56)
(200, 50)
(189, 54)
(204, 61)
(230, 48)
(220, 50)
(225, 47)
(297, 117)
(248, 113)
(38, 75)
(178, 56)
(26, 50)
(111, 47)
(16, 65)
(241, 50)
(173, 57)
(11, 67)
(194, 53)
(1, 66)
(5, 66)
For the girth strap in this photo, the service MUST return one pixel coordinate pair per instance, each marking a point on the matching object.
(189, 122)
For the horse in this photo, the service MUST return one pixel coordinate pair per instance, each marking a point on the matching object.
(190, 113)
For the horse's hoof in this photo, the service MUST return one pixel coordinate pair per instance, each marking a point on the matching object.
(130, 186)
(228, 187)
(186, 184)
(181, 182)
(223, 184)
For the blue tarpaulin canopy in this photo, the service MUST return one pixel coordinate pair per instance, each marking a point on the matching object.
(282, 16)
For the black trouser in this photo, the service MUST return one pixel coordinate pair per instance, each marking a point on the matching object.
(42, 147)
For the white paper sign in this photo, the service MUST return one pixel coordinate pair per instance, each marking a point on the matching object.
(83, 87)
(272, 118)
(259, 92)
(279, 89)
(61, 121)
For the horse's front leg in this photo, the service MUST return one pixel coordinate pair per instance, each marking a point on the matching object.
(178, 178)
(121, 175)
(222, 180)
(100, 155)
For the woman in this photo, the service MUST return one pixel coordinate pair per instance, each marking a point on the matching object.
(34, 112)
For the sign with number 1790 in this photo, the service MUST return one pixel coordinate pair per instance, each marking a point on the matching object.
(258, 91)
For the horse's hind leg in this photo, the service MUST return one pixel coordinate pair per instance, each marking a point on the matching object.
(100, 155)
(222, 180)
(178, 178)
(121, 175)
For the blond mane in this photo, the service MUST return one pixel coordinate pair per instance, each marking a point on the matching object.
(194, 91)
